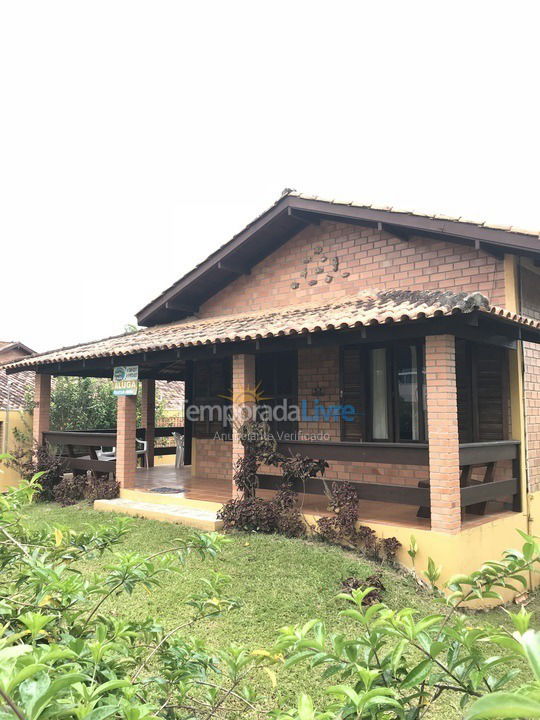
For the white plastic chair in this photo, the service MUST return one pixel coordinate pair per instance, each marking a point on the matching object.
(179, 440)
(106, 455)
(142, 450)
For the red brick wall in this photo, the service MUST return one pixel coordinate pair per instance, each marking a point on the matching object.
(370, 260)
(367, 258)
(443, 433)
(213, 459)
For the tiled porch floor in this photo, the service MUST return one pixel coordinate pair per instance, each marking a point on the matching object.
(148, 479)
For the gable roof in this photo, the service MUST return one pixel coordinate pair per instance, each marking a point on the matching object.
(368, 308)
(292, 212)
(6, 345)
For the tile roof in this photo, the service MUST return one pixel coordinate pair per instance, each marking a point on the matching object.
(19, 385)
(367, 308)
(171, 393)
(418, 213)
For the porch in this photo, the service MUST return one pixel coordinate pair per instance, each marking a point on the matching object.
(397, 508)
(435, 437)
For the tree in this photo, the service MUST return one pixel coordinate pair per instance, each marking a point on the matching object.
(85, 404)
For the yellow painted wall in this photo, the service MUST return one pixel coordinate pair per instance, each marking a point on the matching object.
(14, 419)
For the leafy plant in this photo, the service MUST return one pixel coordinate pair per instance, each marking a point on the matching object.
(412, 552)
(281, 513)
(342, 527)
(30, 459)
(70, 489)
(62, 654)
(397, 664)
(433, 572)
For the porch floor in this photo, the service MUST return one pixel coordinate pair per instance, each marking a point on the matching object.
(219, 491)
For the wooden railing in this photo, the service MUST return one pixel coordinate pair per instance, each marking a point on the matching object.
(78, 447)
(472, 456)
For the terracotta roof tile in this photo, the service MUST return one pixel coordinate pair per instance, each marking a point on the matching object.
(20, 384)
(367, 308)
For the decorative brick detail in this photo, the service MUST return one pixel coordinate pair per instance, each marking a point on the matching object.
(126, 426)
(443, 433)
(243, 379)
(148, 416)
(368, 258)
(42, 410)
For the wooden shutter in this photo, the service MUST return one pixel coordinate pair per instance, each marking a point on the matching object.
(464, 391)
(352, 393)
(488, 367)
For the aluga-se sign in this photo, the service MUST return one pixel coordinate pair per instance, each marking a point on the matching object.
(125, 380)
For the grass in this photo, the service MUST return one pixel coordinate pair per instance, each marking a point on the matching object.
(278, 581)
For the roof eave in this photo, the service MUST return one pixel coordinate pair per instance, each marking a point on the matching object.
(296, 212)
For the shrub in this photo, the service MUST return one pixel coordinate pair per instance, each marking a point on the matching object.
(342, 528)
(63, 656)
(250, 513)
(74, 488)
(30, 460)
(100, 487)
(70, 489)
(281, 513)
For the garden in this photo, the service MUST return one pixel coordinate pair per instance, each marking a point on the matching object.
(104, 617)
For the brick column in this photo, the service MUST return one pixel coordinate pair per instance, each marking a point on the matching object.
(126, 425)
(243, 380)
(42, 408)
(148, 416)
(442, 423)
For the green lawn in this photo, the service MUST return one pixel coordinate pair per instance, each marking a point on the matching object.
(278, 581)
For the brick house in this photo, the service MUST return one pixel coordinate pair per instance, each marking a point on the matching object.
(426, 326)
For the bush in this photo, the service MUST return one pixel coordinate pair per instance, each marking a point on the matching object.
(74, 488)
(70, 489)
(64, 655)
(281, 513)
(101, 488)
(30, 460)
(343, 529)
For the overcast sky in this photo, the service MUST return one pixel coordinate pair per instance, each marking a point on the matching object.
(136, 137)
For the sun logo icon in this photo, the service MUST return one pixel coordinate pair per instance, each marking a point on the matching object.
(249, 395)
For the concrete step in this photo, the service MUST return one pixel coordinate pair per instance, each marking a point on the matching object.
(147, 496)
(196, 517)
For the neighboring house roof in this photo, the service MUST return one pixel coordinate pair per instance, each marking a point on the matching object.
(366, 309)
(20, 384)
(171, 394)
(6, 345)
(293, 211)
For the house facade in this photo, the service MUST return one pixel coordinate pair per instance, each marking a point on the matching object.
(401, 348)
(14, 390)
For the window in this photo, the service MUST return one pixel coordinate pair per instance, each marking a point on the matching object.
(385, 386)
(212, 382)
(277, 382)
(482, 392)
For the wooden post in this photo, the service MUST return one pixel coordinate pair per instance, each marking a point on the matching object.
(243, 372)
(126, 427)
(443, 437)
(148, 416)
(42, 408)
